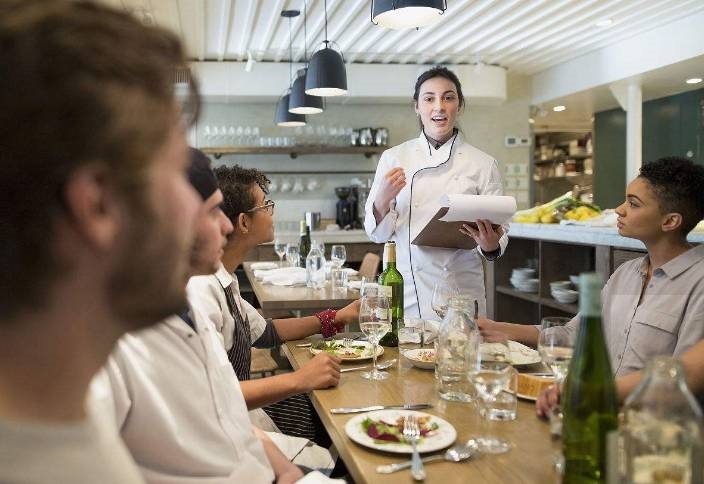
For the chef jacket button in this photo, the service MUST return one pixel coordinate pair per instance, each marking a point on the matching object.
(416, 205)
(625, 331)
(620, 357)
(419, 269)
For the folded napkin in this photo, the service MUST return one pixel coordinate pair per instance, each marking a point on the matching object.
(316, 477)
(284, 276)
(256, 266)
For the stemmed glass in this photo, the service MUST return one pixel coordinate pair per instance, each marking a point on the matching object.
(375, 322)
(555, 345)
(338, 255)
(490, 378)
(442, 292)
(280, 249)
(292, 255)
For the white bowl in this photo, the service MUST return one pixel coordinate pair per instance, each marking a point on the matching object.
(560, 285)
(566, 296)
(575, 280)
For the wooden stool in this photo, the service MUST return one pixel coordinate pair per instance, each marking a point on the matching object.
(262, 363)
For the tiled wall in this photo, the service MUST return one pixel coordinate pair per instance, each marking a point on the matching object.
(484, 126)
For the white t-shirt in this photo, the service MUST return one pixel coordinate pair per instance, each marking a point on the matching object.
(86, 452)
(180, 409)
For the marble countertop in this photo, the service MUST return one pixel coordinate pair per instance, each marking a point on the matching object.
(329, 236)
(582, 235)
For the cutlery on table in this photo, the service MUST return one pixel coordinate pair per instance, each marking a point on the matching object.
(379, 366)
(405, 406)
(458, 453)
(411, 432)
(304, 345)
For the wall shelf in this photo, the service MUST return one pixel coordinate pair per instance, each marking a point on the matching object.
(556, 159)
(294, 151)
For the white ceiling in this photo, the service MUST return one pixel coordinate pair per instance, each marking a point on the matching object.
(526, 36)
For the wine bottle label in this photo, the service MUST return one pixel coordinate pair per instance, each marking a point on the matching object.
(386, 291)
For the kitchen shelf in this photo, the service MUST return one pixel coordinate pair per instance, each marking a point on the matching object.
(535, 298)
(556, 159)
(567, 175)
(294, 151)
(553, 303)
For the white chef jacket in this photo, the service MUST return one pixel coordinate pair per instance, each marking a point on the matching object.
(180, 408)
(455, 167)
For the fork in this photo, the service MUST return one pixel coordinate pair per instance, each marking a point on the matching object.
(411, 432)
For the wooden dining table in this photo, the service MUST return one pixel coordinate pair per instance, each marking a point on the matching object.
(529, 461)
(297, 298)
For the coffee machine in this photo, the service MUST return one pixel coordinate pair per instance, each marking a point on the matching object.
(345, 208)
(359, 195)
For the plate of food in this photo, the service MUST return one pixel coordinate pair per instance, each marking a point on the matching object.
(383, 430)
(354, 351)
(421, 358)
(520, 354)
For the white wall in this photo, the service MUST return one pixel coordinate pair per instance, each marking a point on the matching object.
(484, 126)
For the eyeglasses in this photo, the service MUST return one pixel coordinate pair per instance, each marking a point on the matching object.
(268, 205)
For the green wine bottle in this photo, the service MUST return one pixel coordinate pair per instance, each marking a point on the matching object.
(391, 285)
(303, 243)
(589, 402)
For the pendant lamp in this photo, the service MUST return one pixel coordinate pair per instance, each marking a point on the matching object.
(300, 102)
(283, 116)
(326, 70)
(405, 14)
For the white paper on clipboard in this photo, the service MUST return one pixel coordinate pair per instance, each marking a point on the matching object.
(467, 208)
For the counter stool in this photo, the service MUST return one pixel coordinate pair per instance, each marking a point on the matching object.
(262, 363)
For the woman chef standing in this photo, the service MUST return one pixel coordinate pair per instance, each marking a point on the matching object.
(410, 180)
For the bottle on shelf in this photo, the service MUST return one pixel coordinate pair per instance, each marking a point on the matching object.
(391, 285)
(589, 402)
(662, 427)
(303, 243)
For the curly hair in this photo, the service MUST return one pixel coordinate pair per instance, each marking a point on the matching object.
(84, 84)
(679, 187)
(236, 185)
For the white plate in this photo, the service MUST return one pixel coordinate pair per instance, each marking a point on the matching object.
(414, 357)
(520, 354)
(443, 437)
(366, 354)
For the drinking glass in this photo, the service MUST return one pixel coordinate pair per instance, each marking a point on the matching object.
(368, 287)
(442, 292)
(375, 322)
(555, 345)
(338, 255)
(280, 249)
(490, 378)
(292, 255)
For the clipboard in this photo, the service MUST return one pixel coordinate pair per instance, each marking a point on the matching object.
(445, 235)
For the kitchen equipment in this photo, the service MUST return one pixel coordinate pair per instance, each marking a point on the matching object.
(354, 138)
(381, 137)
(365, 137)
(360, 193)
(344, 208)
(313, 220)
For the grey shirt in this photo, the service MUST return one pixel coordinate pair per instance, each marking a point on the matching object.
(669, 318)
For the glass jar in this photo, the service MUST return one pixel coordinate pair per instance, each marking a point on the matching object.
(662, 428)
(458, 342)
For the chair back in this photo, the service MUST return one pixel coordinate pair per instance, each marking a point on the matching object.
(370, 265)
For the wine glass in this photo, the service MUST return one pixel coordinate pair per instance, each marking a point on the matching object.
(442, 292)
(375, 322)
(280, 249)
(555, 345)
(490, 378)
(338, 255)
(292, 255)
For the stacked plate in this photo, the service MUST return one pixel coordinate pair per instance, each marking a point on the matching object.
(523, 279)
(562, 292)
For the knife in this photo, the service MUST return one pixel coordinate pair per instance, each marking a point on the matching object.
(405, 406)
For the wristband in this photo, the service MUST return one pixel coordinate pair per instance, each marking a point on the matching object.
(328, 327)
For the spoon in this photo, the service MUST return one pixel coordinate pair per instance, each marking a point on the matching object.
(379, 366)
(458, 453)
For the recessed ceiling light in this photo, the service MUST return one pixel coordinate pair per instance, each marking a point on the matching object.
(604, 22)
(531, 120)
(558, 108)
(694, 80)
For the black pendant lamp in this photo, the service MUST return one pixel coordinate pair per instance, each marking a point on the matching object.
(300, 102)
(405, 14)
(283, 116)
(326, 70)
